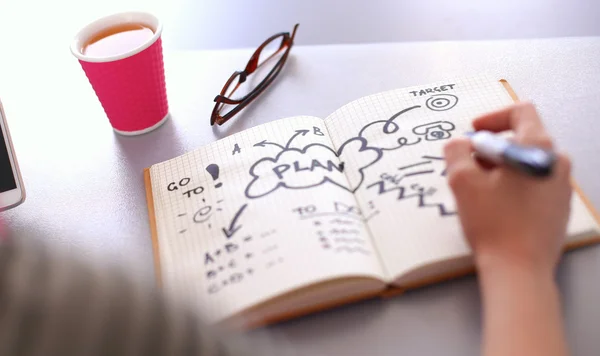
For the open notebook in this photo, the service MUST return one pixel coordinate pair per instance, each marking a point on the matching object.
(306, 213)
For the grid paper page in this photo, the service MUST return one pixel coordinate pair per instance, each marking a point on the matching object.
(257, 214)
(412, 212)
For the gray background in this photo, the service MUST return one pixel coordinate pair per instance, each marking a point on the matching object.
(204, 24)
(368, 21)
(85, 186)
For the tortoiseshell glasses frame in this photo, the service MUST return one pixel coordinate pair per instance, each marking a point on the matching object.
(239, 77)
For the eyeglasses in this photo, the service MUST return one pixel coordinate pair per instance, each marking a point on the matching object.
(226, 105)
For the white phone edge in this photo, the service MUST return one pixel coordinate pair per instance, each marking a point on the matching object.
(14, 197)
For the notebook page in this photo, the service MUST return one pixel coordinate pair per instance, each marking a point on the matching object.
(404, 194)
(255, 215)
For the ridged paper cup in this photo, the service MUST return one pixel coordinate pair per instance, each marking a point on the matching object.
(130, 86)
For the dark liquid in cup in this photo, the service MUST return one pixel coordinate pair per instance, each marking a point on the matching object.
(117, 40)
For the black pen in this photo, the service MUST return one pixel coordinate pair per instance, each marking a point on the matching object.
(530, 160)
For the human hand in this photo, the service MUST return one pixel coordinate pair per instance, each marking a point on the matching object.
(508, 218)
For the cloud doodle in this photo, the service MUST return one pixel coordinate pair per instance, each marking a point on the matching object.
(311, 166)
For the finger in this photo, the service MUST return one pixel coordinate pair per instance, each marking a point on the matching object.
(529, 127)
(509, 118)
(562, 166)
(503, 120)
(457, 151)
(521, 118)
(496, 121)
(461, 167)
(485, 164)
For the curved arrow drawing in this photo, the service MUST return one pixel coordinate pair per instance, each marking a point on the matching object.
(298, 132)
(263, 143)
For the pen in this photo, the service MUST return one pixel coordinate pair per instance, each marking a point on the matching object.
(530, 160)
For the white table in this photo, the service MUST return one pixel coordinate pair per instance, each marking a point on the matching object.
(85, 187)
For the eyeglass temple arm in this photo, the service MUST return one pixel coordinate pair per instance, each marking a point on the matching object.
(253, 62)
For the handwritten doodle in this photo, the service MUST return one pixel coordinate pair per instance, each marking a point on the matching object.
(173, 186)
(205, 213)
(352, 250)
(213, 288)
(332, 213)
(435, 158)
(270, 249)
(268, 233)
(395, 138)
(433, 131)
(272, 263)
(325, 243)
(213, 170)
(349, 240)
(373, 211)
(413, 165)
(233, 227)
(298, 133)
(236, 149)
(441, 102)
(344, 231)
(433, 90)
(341, 222)
(229, 248)
(195, 191)
(345, 208)
(395, 183)
(264, 143)
(339, 210)
(217, 266)
(247, 238)
(317, 131)
(302, 210)
(213, 273)
(372, 215)
(442, 208)
(396, 178)
(234, 278)
(182, 231)
(182, 183)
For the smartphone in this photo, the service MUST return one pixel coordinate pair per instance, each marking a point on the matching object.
(12, 191)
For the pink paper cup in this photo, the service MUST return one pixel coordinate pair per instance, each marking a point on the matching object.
(130, 86)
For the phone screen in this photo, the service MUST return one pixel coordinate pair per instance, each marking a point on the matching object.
(7, 179)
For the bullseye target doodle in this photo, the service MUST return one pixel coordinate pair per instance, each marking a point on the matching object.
(441, 102)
